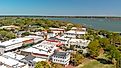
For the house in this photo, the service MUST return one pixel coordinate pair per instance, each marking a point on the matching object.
(61, 58)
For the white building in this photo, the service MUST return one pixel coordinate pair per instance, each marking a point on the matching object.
(7, 62)
(79, 44)
(9, 27)
(64, 40)
(13, 44)
(44, 49)
(61, 58)
(14, 55)
(57, 30)
(35, 38)
(74, 32)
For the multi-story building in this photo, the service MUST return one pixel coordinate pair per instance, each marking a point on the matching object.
(61, 58)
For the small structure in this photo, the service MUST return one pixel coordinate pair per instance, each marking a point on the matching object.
(61, 58)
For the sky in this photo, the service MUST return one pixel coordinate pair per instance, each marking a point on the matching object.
(61, 7)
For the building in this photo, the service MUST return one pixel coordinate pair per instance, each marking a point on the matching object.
(35, 38)
(57, 30)
(10, 27)
(79, 44)
(61, 58)
(14, 55)
(14, 44)
(44, 50)
(8, 62)
(75, 32)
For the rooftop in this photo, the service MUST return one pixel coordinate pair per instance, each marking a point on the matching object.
(32, 36)
(10, 62)
(75, 32)
(61, 54)
(13, 41)
(36, 50)
(56, 29)
(14, 55)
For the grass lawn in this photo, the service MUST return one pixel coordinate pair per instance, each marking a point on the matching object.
(96, 64)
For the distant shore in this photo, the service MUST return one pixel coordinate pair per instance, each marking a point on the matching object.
(60, 16)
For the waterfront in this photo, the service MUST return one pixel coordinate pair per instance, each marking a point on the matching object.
(97, 23)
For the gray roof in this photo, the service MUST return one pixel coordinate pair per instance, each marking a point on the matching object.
(62, 54)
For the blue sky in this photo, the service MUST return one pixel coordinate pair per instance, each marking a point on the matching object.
(60, 7)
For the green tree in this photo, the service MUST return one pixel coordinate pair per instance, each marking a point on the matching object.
(77, 57)
(42, 64)
(55, 65)
(104, 42)
(94, 48)
(113, 52)
(6, 35)
(25, 34)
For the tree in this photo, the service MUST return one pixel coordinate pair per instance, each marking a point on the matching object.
(77, 58)
(104, 42)
(55, 65)
(25, 34)
(6, 35)
(42, 64)
(94, 48)
(113, 52)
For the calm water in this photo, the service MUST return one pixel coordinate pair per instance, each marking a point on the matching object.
(97, 23)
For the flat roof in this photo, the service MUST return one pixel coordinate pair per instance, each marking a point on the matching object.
(10, 61)
(62, 54)
(14, 55)
(76, 32)
(56, 28)
(32, 36)
(35, 50)
(13, 41)
(39, 59)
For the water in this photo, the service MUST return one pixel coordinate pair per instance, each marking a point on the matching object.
(96, 23)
